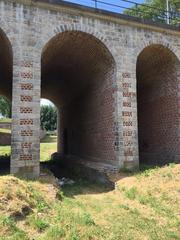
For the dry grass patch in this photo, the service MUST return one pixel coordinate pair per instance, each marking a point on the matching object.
(143, 206)
(20, 199)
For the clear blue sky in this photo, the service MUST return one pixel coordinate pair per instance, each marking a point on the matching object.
(106, 7)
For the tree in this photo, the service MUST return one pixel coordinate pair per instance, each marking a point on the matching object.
(48, 117)
(5, 107)
(156, 10)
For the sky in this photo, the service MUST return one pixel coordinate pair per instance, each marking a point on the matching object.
(45, 102)
(101, 6)
(121, 3)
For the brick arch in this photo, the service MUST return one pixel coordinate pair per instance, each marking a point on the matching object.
(6, 64)
(5, 31)
(77, 27)
(83, 76)
(6, 69)
(157, 73)
(5, 28)
(165, 44)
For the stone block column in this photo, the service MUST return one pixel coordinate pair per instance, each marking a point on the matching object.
(127, 114)
(25, 156)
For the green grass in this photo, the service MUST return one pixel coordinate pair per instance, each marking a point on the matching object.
(131, 193)
(5, 120)
(47, 147)
(143, 206)
(10, 225)
(49, 139)
(4, 130)
(5, 150)
(37, 223)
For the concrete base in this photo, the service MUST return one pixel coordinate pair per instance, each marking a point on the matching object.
(79, 169)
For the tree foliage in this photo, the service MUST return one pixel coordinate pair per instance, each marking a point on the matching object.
(48, 117)
(5, 107)
(156, 11)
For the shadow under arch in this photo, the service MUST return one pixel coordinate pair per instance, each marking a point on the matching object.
(78, 72)
(6, 68)
(158, 108)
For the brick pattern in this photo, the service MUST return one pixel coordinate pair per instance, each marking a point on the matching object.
(87, 109)
(128, 115)
(25, 157)
(27, 75)
(158, 105)
(26, 145)
(27, 64)
(26, 86)
(27, 152)
(90, 130)
(116, 131)
(25, 98)
(26, 161)
(25, 110)
(26, 133)
(26, 121)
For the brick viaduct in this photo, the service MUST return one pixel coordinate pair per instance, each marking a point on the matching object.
(114, 79)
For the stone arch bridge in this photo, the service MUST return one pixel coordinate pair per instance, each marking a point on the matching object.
(114, 79)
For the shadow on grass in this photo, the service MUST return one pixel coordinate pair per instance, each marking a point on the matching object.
(84, 184)
(49, 139)
(85, 181)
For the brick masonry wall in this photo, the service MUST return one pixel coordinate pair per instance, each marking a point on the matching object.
(84, 92)
(30, 27)
(89, 123)
(158, 105)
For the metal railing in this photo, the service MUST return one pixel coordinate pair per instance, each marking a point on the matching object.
(132, 8)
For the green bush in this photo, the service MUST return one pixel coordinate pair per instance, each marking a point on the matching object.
(48, 117)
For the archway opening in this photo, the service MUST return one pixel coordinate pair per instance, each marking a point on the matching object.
(48, 130)
(78, 73)
(158, 117)
(5, 102)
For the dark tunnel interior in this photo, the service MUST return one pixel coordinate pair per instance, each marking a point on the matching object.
(77, 75)
(158, 117)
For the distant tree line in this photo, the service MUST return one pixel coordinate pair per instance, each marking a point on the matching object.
(156, 10)
(5, 107)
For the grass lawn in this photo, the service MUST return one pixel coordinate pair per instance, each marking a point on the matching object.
(47, 147)
(144, 206)
(5, 120)
(5, 150)
(5, 130)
